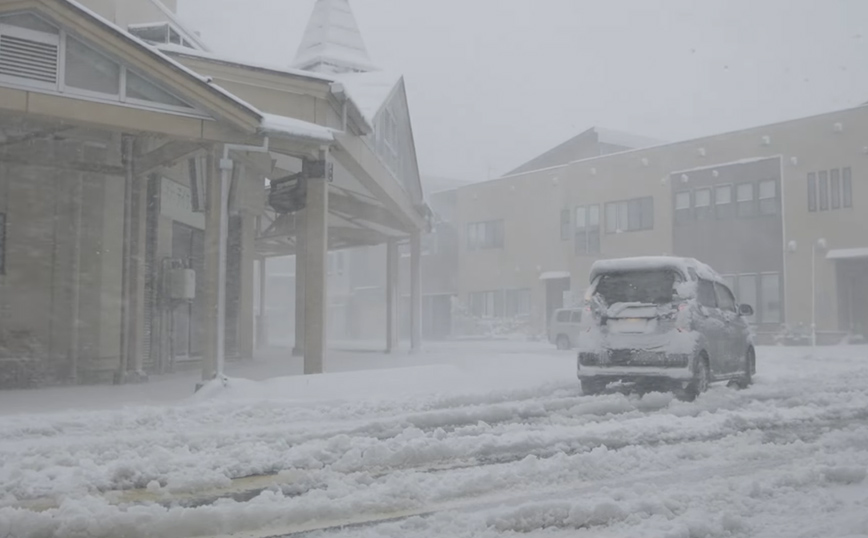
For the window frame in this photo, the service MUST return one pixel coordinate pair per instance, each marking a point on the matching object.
(724, 210)
(3, 223)
(768, 209)
(846, 187)
(722, 289)
(823, 190)
(746, 208)
(835, 188)
(620, 211)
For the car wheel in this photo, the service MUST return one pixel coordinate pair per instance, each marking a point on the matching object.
(749, 368)
(701, 378)
(591, 387)
(563, 342)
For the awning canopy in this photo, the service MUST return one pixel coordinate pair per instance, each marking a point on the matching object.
(553, 275)
(847, 253)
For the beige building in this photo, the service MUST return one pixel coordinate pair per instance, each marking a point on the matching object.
(753, 203)
(133, 200)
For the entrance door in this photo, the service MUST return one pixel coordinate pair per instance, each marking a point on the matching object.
(555, 290)
(853, 296)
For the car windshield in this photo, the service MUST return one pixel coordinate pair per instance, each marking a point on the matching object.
(649, 287)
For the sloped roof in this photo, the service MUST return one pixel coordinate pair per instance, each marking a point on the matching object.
(332, 37)
(592, 142)
(370, 91)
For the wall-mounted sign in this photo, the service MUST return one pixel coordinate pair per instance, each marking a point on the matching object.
(176, 203)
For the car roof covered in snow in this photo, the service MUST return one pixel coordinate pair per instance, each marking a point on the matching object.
(687, 267)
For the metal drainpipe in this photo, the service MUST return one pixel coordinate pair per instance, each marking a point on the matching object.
(127, 156)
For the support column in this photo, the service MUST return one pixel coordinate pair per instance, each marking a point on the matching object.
(300, 257)
(314, 261)
(246, 315)
(262, 319)
(216, 232)
(391, 296)
(416, 291)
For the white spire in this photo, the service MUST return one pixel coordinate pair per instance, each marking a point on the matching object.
(332, 41)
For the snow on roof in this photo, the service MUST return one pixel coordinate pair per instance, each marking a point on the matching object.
(283, 70)
(650, 263)
(369, 91)
(847, 253)
(627, 140)
(274, 124)
(333, 37)
(552, 275)
(159, 54)
(728, 163)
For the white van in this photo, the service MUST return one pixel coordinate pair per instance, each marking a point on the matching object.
(564, 327)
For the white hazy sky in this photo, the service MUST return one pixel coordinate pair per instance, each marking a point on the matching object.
(493, 83)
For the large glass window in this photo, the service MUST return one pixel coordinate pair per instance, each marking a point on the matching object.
(485, 235)
(630, 215)
(683, 209)
(517, 303)
(770, 296)
(587, 229)
(768, 197)
(705, 294)
(723, 201)
(702, 203)
(89, 70)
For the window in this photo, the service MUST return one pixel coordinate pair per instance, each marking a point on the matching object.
(89, 70)
(725, 299)
(682, 207)
(702, 203)
(835, 188)
(486, 304)
(630, 215)
(823, 187)
(517, 303)
(2, 243)
(747, 292)
(563, 316)
(565, 224)
(846, 188)
(576, 316)
(485, 235)
(770, 298)
(745, 200)
(141, 90)
(587, 229)
(705, 294)
(812, 191)
(723, 201)
(730, 281)
(768, 197)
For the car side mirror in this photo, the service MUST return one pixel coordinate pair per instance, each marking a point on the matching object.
(745, 310)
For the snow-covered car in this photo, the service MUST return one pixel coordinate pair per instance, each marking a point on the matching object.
(664, 322)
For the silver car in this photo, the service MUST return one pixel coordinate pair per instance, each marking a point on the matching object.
(564, 327)
(662, 322)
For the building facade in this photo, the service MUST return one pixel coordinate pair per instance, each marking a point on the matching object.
(763, 205)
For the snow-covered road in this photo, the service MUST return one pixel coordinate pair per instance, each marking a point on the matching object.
(478, 440)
